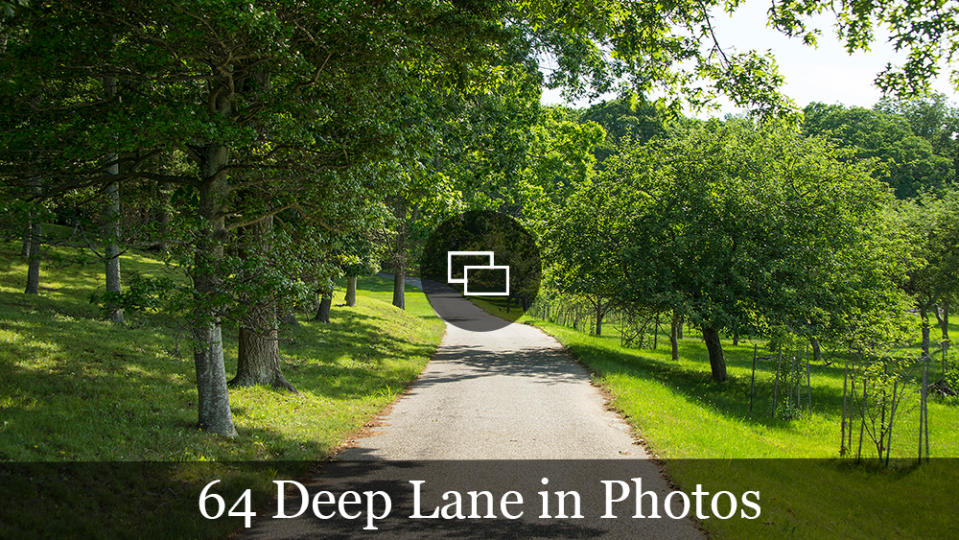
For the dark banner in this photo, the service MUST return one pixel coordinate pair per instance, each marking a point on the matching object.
(480, 499)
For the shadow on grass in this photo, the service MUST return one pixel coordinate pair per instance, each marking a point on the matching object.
(730, 398)
(80, 388)
(344, 359)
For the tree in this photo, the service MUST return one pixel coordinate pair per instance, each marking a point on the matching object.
(277, 94)
(932, 118)
(624, 118)
(738, 225)
(238, 88)
(284, 260)
(907, 161)
(930, 225)
(578, 245)
(258, 359)
(360, 256)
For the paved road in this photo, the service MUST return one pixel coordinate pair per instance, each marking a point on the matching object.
(508, 394)
(511, 393)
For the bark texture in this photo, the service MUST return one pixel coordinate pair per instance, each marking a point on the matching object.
(816, 349)
(111, 225)
(323, 311)
(600, 312)
(111, 248)
(290, 318)
(33, 259)
(717, 362)
(33, 249)
(213, 400)
(399, 286)
(350, 298)
(942, 317)
(399, 255)
(258, 359)
(674, 336)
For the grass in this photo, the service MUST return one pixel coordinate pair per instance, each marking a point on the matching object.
(705, 433)
(76, 388)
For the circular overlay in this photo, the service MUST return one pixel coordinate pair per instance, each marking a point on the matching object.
(480, 270)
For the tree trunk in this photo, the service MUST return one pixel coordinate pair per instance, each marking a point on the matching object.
(323, 311)
(399, 256)
(33, 250)
(290, 318)
(350, 298)
(213, 400)
(656, 333)
(679, 330)
(816, 349)
(111, 226)
(842, 422)
(942, 317)
(164, 245)
(33, 259)
(258, 361)
(599, 318)
(735, 338)
(924, 319)
(945, 322)
(923, 410)
(25, 247)
(399, 286)
(111, 247)
(674, 336)
(717, 362)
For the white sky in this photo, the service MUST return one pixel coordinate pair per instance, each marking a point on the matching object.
(826, 73)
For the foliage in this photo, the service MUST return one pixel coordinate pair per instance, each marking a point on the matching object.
(930, 225)
(932, 118)
(907, 161)
(736, 225)
(624, 118)
(142, 293)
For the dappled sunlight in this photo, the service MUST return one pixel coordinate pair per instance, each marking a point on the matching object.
(76, 387)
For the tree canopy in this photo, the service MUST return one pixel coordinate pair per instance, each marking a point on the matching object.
(734, 226)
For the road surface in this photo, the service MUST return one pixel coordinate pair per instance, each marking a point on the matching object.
(512, 394)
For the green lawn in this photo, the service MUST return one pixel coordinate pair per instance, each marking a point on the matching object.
(74, 387)
(684, 417)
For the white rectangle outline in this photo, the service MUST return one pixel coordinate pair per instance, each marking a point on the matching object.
(449, 263)
(466, 284)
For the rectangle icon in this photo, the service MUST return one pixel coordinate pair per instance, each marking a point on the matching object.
(456, 260)
(489, 280)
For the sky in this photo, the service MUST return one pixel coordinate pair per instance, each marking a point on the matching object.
(826, 73)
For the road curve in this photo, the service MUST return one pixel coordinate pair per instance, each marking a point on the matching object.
(509, 393)
(501, 409)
